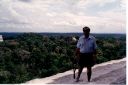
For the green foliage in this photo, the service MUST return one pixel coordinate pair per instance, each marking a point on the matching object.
(30, 56)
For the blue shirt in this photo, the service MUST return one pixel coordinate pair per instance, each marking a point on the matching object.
(86, 45)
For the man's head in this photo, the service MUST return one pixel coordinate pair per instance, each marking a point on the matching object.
(86, 31)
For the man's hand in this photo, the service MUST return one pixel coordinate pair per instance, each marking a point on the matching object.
(77, 53)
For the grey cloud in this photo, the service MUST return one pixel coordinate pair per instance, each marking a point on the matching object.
(56, 15)
(25, 0)
(12, 22)
(8, 15)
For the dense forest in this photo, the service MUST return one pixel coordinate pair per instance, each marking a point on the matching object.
(32, 55)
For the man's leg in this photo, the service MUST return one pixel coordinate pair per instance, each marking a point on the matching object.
(89, 73)
(79, 73)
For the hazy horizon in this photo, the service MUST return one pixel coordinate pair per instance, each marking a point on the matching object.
(62, 32)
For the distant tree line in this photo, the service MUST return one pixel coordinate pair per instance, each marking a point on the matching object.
(30, 55)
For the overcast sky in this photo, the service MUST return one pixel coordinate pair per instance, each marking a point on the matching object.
(102, 16)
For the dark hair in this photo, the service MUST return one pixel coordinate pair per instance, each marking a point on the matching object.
(86, 29)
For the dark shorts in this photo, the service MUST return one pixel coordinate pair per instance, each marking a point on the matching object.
(86, 60)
